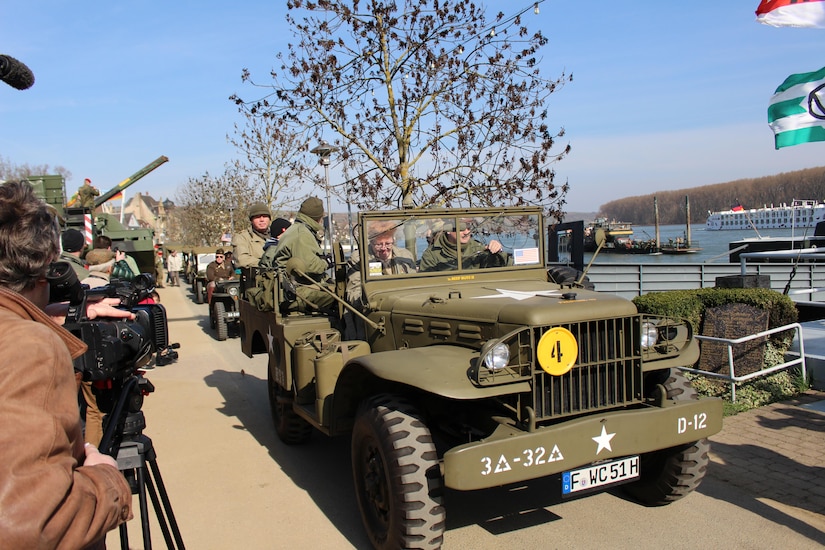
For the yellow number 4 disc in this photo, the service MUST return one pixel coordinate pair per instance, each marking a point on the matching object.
(557, 351)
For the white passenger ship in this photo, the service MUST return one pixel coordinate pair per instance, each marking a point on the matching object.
(800, 213)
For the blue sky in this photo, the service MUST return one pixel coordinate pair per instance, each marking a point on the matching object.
(665, 95)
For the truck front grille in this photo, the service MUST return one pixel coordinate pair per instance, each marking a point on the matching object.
(607, 373)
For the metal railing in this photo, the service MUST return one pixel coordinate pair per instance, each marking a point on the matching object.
(635, 279)
(732, 377)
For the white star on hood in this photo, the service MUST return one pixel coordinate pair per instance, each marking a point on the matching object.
(603, 440)
(519, 294)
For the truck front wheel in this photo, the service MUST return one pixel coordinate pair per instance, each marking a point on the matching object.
(397, 478)
(670, 474)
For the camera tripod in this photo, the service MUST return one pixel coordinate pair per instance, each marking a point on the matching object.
(134, 453)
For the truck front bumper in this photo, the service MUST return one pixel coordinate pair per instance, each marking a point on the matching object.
(510, 455)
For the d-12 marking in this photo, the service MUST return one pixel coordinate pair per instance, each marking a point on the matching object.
(698, 422)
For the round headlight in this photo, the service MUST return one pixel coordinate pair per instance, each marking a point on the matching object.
(650, 335)
(497, 357)
(233, 291)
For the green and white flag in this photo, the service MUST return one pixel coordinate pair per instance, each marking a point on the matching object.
(797, 110)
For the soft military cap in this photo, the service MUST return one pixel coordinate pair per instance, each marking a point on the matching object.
(312, 207)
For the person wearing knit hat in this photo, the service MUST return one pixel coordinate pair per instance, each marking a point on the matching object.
(313, 208)
(302, 241)
(248, 245)
(72, 242)
(279, 225)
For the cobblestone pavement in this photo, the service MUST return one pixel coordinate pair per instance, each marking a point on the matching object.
(776, 454)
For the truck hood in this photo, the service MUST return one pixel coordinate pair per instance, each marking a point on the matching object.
(532, 303)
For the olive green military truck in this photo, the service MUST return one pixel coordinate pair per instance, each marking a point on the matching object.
(470, 370)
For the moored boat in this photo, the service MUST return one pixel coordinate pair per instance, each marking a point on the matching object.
(800, 213)
(678, 246)
(612, 230)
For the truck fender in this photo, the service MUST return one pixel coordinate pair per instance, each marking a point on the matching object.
(440, 370)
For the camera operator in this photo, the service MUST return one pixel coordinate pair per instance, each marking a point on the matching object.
(54, 491)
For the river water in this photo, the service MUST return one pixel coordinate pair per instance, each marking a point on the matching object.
(714, 244)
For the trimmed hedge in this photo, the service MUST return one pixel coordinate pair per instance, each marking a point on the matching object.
(691, 305)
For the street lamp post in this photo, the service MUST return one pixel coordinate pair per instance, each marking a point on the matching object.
(324, 150)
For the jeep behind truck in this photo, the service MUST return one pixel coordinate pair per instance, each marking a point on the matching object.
(480, 373)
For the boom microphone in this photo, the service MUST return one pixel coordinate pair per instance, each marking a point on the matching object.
(15, 73)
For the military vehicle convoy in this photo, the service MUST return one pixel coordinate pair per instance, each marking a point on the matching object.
(138, 243)
(198, 275)
(477, 371)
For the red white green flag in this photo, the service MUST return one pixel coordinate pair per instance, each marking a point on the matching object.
(792, 13)
(797, 110)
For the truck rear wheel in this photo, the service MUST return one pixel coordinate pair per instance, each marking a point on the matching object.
(291, 428)
(198, 292)
(397, 478)
(670, 474)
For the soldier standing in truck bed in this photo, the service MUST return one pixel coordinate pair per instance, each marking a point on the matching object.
(87, 193)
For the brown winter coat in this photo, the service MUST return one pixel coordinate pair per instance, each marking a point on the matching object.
(46, 499)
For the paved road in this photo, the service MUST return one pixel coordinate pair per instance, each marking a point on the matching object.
(233, 484)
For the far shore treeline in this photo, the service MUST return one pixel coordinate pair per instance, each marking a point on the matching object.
(808, 184)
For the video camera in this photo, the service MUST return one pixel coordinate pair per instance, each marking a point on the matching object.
(117, 348)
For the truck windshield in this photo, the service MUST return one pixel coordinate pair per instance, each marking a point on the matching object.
(422, 244)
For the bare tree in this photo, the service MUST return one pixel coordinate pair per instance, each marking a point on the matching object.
(274, 158)
(430, 103)
(208, 206)
(10, 171)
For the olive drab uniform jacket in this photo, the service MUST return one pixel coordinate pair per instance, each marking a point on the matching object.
(86, 195)
(78, 265)
(301, 241)
(442, 255)
(248, 247)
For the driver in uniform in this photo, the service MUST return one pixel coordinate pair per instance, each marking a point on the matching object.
(442, 255)
(217, 269)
